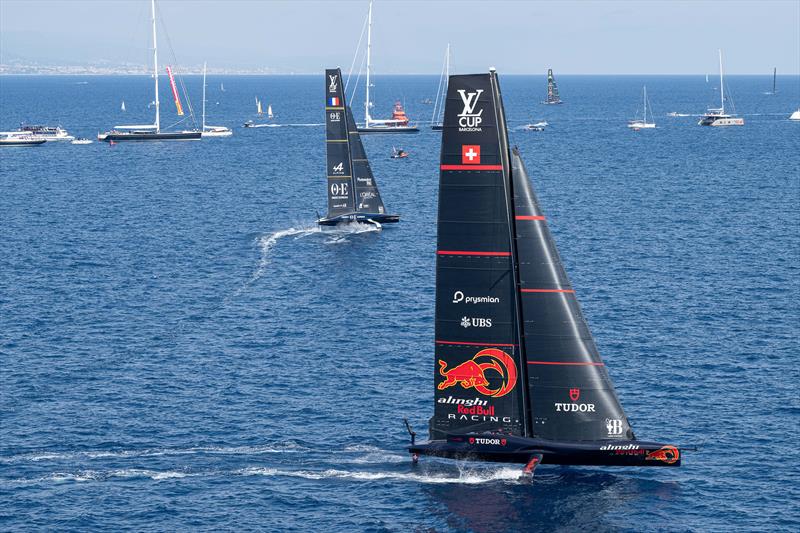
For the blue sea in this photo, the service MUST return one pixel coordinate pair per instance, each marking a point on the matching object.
(182, 349)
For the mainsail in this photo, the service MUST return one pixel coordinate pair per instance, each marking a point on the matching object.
(552, 89)
(513, 352)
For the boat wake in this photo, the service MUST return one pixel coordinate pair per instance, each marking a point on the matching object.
(505, 474)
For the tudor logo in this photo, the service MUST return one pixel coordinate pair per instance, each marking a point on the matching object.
(333, 84)
(614, 426)
(338, 189)
(495, 442)
(339, 169)
(574, 394)
(468, 119)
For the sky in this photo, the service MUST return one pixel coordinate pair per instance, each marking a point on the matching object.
(409, 37)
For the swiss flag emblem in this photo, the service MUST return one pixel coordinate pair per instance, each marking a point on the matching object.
(470, 154)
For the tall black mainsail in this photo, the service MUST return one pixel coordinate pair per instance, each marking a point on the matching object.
(552, 89)
(353, 194)
(517, 374)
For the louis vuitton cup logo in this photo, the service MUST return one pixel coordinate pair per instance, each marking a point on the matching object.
(468, 119)
(334, 83)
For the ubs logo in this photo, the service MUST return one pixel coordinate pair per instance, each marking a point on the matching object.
(468, 119)
(334, 83)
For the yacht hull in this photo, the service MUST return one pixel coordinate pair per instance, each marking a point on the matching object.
(388, 130)
(368, 218)
(144, 136)
(717, 122)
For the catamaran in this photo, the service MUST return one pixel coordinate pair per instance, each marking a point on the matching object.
(441, 92)
(399, 123)
(151, 132)
(212, 131)
(353, 194)
(638, 124)
(518, 378)
(718, 117)
(552, 90)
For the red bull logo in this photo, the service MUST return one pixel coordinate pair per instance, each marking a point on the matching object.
(472, 374)
(667, 454)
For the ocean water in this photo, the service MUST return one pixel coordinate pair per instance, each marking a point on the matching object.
(182, 349)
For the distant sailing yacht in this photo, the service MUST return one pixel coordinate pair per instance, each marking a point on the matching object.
(717, 117)
(270, 116)
(795, 115)
(353, 194)
(399, 122)
(774, 81)
(149, 132)
(441, 93)
(222, 87)
(552, 90)
(212, 131)
(643, 124)
(518, 378)
(122, 107)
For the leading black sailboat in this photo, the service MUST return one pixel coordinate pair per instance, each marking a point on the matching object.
(517, 375)
(552, 90)
(353, 194)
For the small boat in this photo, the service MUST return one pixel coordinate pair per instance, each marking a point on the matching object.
(151, 132)
(795, 115)
(717, 116)
(676, 114)
(353, 194)
(552, 90)
(539, 126)
(11, 139)
(517, 375)
(398, 153)
(82, 140)
(426, 101)
(270, 116)
(441, 93)
(122, 107)
(259, 111)
(399, 122)
(212, 131)
(640, 124)
(46, 133)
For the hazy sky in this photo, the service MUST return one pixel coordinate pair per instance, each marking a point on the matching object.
(573, 37)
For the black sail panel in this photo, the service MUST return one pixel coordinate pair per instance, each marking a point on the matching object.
(341, 192)
(367, 196)
(571, 394)
(479, 381)
(552, 88)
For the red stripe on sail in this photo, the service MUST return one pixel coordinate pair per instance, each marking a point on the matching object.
(568, 363)
(462, 252)
(471, 167)
(526, 217)
(547, 290)
(476, 343)
(178, 105)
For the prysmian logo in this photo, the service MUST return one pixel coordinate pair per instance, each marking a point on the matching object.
(614, 426)
(333, 84)
(459, 297)
(468, 119)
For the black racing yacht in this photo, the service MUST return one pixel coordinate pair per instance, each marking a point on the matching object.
(552, 90)
(353, 194)
(517, 375)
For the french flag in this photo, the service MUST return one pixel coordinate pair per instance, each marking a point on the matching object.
(334, 101)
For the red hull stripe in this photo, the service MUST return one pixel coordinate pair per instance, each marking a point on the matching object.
(476, 343)
(471, 167)
(462, 252)
(526, 217)
(547, 290)
(564, 363)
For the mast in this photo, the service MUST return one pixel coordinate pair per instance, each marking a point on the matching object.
(774, 78)
(155, 63)
(721, 86)
(645, 103)
(369, 67)
(204, 96)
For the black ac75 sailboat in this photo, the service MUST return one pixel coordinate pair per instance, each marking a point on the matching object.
(518, 377)
(353, 194)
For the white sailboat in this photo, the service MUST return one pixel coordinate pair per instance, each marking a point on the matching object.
(222, 87)
(638, 124)
(441, 93)
(795, 115)
(399, 121)
(122, 107)
(269, 112)
(718, 117)
(212, 131)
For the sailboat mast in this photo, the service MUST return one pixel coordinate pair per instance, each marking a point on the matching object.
(369, 66)
(721, 86)
(204, 96)
(774, 78)
(155, 62)
(644, 104)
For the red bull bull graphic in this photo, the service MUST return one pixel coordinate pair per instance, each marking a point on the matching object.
(667, 454)
(472, 374)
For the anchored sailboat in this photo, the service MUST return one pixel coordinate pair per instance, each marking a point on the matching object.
(441, 93)
(518, 377)
(212, 131)
(353, 194)
(552, 90)
(642, 123)
(399, 123)
(717, 117)
(150, 132)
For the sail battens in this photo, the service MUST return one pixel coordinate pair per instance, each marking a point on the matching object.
(570, 291)
(334, 109)
(471, 167)
(463, 343)
(566, 363)
(465, 252)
